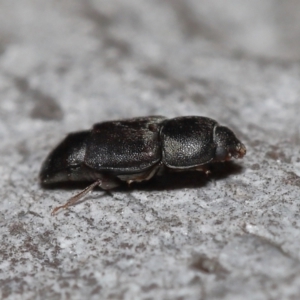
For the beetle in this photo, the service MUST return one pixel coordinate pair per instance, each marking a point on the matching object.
(134, 150)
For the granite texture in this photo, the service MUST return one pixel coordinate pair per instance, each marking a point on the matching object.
(65, 65)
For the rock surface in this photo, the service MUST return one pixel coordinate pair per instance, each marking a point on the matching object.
(65, 65)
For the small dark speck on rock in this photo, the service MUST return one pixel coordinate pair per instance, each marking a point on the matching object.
(149, 287)
(156, 72)
(278, 155)
(47, 109)
(255, 167)
(96, 290)
(199, 98)
(16, 229)
(292, 179)
(208, 265)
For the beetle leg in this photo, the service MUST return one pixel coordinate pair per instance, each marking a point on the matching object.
(78, 196)
(204, 169)
(139, 177)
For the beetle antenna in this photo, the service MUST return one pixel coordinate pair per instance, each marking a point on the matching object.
(78, 196)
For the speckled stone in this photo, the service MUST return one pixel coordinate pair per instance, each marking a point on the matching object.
(65, 65)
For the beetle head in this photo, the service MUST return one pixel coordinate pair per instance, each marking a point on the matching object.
(64, 162)
(228, 145)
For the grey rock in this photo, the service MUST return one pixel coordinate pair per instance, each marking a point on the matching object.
(65, 65)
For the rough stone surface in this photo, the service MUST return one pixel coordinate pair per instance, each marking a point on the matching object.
(65, 65)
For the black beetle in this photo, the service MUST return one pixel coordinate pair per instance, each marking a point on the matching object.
(136, 149)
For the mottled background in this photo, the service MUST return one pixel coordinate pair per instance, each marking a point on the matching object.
(65, 65)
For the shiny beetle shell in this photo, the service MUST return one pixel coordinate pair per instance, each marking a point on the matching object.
(136, 149)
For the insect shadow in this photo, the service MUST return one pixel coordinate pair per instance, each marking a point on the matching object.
(169, 180)
(189, 179)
